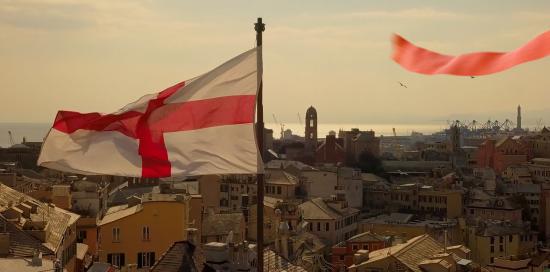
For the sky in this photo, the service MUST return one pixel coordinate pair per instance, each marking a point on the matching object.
(97, 56)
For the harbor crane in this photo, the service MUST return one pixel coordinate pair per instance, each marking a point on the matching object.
(508, 125)
(281, 124)
(11, 138)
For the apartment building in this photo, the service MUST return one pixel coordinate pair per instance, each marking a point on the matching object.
(499, 154)
(490, 239)
(135, 235)
(532, 195)
(540, 169)
(330, 219)
(28, 227)
(417, 198)
(494, 208)
(342, 253)
(406, 226)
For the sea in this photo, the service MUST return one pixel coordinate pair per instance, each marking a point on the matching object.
(379, 129)
(37, 131)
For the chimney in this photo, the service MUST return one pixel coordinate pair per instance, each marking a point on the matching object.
(34, 206)
(216, 253)
(35, 225)
(180, 198)
(13, 214)
(360, 256)
(133, 200)
(191, 236)
(165, 188)
(40, 234)
(26, 209)
(36, 258)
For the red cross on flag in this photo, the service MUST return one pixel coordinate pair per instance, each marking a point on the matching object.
(201, 126)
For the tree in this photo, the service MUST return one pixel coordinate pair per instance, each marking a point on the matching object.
(369, 163)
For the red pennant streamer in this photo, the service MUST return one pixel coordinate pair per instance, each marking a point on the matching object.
(423, 61)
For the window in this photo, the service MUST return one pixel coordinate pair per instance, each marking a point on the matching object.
(116, 259)
(341, 257)
(492, 240)
(501, 248)
(279, 190)
(318, 226)
(145, 259)
(355, 247)
(327, 226)
(81, 236)
(492, 249)
(510, 238)
(501, 239)
(366, 247)
(145, 233)
(116, 235)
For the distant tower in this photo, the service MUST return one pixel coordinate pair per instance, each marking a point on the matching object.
(455, 137)
(311, 127)
(519, 118)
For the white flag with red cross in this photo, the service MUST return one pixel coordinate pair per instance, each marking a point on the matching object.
(201, 126)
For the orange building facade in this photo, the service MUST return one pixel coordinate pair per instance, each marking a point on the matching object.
(342, 253)
(136, 236)
(498, 155)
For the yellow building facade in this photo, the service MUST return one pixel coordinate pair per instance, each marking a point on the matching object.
(136, 236)
(499, 240)
(426, 199)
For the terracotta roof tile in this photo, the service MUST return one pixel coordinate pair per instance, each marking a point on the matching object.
(58, 220)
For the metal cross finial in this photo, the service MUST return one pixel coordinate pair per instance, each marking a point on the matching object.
(259, 26)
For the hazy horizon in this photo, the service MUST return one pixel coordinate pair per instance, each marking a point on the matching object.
(101, 55)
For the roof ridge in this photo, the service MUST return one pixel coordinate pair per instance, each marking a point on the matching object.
(409, 245)
(316, 204)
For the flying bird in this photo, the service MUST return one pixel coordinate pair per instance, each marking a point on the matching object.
(402, 85)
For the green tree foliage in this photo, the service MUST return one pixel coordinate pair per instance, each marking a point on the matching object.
(368, 163)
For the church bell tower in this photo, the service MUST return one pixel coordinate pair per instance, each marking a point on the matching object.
(311, 127)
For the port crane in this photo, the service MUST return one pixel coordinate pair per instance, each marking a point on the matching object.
(11, 138)
(281, 124)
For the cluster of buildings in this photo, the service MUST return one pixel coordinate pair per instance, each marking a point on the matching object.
(445, 202)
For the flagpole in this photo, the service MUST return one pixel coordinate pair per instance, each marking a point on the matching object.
(260, 27)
